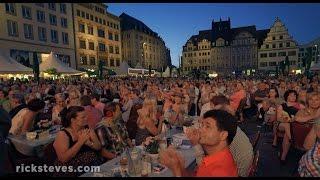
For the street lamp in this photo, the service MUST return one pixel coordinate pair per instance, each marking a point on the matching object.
(144, 57)
(316, 53)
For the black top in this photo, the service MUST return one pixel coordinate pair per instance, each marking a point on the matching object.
(84, 148)
(292, 111)
(15, 110)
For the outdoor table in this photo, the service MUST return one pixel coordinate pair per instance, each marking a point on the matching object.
(32, 147)
(106, 168)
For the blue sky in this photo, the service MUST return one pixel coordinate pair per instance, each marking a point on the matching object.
(177, 22)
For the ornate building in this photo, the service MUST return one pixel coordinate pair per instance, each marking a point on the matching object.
(278, 46)
(314, 47)
(142, 46)
(223, 49)
(37, 27)
(97, 36)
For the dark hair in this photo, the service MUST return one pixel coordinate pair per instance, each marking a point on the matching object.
(221, 99)
(19, 97)
(5, 93)
(225, 122)
(36, 104)
(136, 92)
(85, 100)
(276, 90)
(288, 92)
(109, 107)
(68, 114)
(95, 96)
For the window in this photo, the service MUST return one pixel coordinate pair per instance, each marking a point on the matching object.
(81, 28)
(281, 37)
(28, 31)
(12, 28)
(83, 60)
(63, 8)
(10, 8)
(82, 44)
(41, 16)
(78, 12)
(40, 4)
(65, 38)
(273, 45)
(272, 54)
(111, 62)
(273, 38)
(100, 20)
(83, 14)
(280, 45)
(263, 55)
(90, 30)
(272, 63)
(111, 49)
(87, 16)
(91, 17)
(267, 46)
(92, 60)
(101, 33)
(118, 62)
(282, 54)
(96, 19)
(53, 19)
(288, 44)
(54, 36)
(293, 62)
(110, 36)
(116, 37)
(52, 6)
(26, 12)
(91, 45)
(263, 64)
(117, 50)
(104, 22)
(292, 53)
(102, 47)
(42, 34)
(64, 22)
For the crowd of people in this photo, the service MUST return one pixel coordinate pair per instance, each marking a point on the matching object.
(135, 109)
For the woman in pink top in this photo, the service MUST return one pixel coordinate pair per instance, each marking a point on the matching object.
(237, 96)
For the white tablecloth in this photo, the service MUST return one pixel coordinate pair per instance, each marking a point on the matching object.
(31, 147)
(106, 168)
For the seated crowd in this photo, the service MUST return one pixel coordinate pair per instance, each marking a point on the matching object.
(100, 119)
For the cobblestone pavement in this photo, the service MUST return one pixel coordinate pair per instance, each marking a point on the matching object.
(269, 163)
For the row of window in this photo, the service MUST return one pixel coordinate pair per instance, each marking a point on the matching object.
(280, 54)
(280, 45)
(92, 61)
(42, 33)
(145, 39)
(96, 19)
(195, 54)
(101, 46)
(271, 64)
(100, 32)
(26, 11)
(41, 17)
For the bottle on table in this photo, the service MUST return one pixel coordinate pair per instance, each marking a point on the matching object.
(134, 163)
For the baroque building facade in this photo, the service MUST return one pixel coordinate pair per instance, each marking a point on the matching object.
(223, 49)
(141, 46)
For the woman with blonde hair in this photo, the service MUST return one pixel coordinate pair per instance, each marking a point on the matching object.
(74, 97)
(60, 104)
(148, 124)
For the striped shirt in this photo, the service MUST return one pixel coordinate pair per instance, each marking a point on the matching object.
(309, 165)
